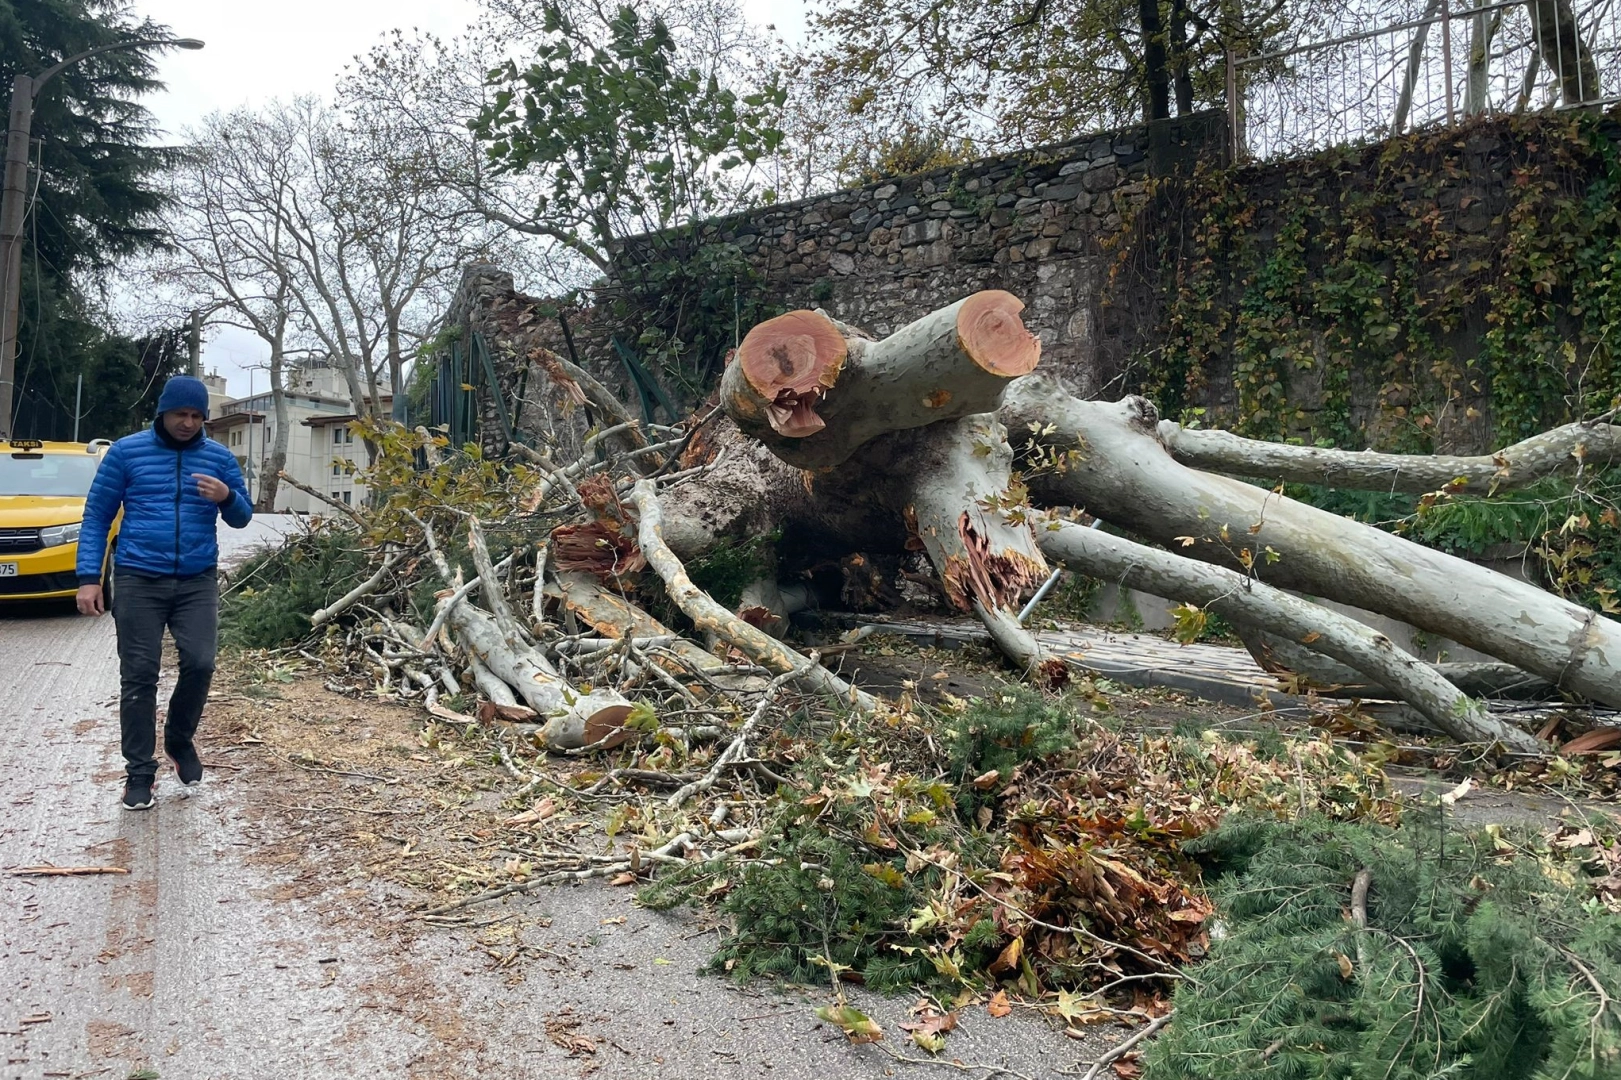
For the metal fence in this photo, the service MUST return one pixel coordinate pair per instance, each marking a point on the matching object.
(1456, 60)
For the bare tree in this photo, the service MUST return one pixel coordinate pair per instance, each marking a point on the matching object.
(336, 221)
(431, 90)
(229, 245)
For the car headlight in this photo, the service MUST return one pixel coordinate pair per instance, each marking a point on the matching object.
(57, 535)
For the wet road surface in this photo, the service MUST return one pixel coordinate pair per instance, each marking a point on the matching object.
(201, 961)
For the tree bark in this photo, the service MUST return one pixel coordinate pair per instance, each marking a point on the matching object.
(1562, 450)
(1156, 73)
(980, 543)
(1483, 31)
(814, 393)
(270, 482)
(1128, 478)
(1487, 680)
(571, 719)
(1559, 42)
(1243, 599)
(1415, 56)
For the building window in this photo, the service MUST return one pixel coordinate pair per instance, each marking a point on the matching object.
(337, 468)
(346, 498)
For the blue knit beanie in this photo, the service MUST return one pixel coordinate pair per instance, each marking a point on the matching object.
(184, 392)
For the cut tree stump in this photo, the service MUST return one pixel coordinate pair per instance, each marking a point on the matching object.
(814, 393)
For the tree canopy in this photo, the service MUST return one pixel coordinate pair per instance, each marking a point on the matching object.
(628, 132)
(1025, 72)
(94, 192)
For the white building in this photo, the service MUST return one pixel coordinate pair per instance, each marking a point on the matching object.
(322, 450)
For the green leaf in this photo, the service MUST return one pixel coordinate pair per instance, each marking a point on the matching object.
(856, 1024)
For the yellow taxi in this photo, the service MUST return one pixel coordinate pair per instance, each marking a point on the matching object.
(42, 491)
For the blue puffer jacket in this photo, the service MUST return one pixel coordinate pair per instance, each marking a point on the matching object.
(169, 528)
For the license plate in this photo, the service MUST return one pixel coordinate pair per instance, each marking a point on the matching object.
(8, 569)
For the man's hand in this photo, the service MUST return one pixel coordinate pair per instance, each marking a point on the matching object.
(89, 600)
(214, 490)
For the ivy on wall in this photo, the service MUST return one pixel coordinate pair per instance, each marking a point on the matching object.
(682, 305)
(1446, 290)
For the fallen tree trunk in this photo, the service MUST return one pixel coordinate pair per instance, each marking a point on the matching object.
(1280, 655)
(813, 392)
(1128, 477)
(1242, 599)
(1562, 450)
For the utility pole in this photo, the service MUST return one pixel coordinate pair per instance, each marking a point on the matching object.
(13, 208)
(196, 343)
(78, 396)
(14, 205)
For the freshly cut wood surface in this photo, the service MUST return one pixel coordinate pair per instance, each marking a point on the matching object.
(994, 336)
(789, 361)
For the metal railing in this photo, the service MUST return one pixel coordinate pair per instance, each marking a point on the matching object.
(1458, 59)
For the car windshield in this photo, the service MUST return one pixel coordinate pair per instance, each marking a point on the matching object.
(47, 474)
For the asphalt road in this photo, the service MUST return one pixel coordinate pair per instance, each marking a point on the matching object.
(202, 963)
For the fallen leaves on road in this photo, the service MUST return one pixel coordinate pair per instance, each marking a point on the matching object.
(998, 1006)
(560, 1031)
(929, 1031)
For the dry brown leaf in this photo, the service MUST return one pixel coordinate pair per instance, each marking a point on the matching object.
(999, 1006)
(1129, 1067)
(1008, 959)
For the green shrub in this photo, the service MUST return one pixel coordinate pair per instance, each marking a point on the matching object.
(280, 589)
(1013, 726)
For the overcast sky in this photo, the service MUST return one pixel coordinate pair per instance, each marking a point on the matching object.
(259, 51)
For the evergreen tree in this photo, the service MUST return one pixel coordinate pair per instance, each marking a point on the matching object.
(92, 201)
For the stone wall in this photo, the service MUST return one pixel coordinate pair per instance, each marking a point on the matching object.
(1035, 223)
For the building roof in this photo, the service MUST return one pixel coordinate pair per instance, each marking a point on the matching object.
(228, 420)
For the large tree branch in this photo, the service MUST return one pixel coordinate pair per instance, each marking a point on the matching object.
(1126, 475)
(1242, 599)
(1562, 450)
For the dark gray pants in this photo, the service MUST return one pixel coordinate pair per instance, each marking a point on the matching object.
(142, 607)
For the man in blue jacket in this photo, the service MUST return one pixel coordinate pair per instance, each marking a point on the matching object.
(172, 482)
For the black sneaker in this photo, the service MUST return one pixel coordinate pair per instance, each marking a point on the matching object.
(138, 793)
(187, 765)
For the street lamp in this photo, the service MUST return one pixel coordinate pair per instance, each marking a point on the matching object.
(13, 205)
